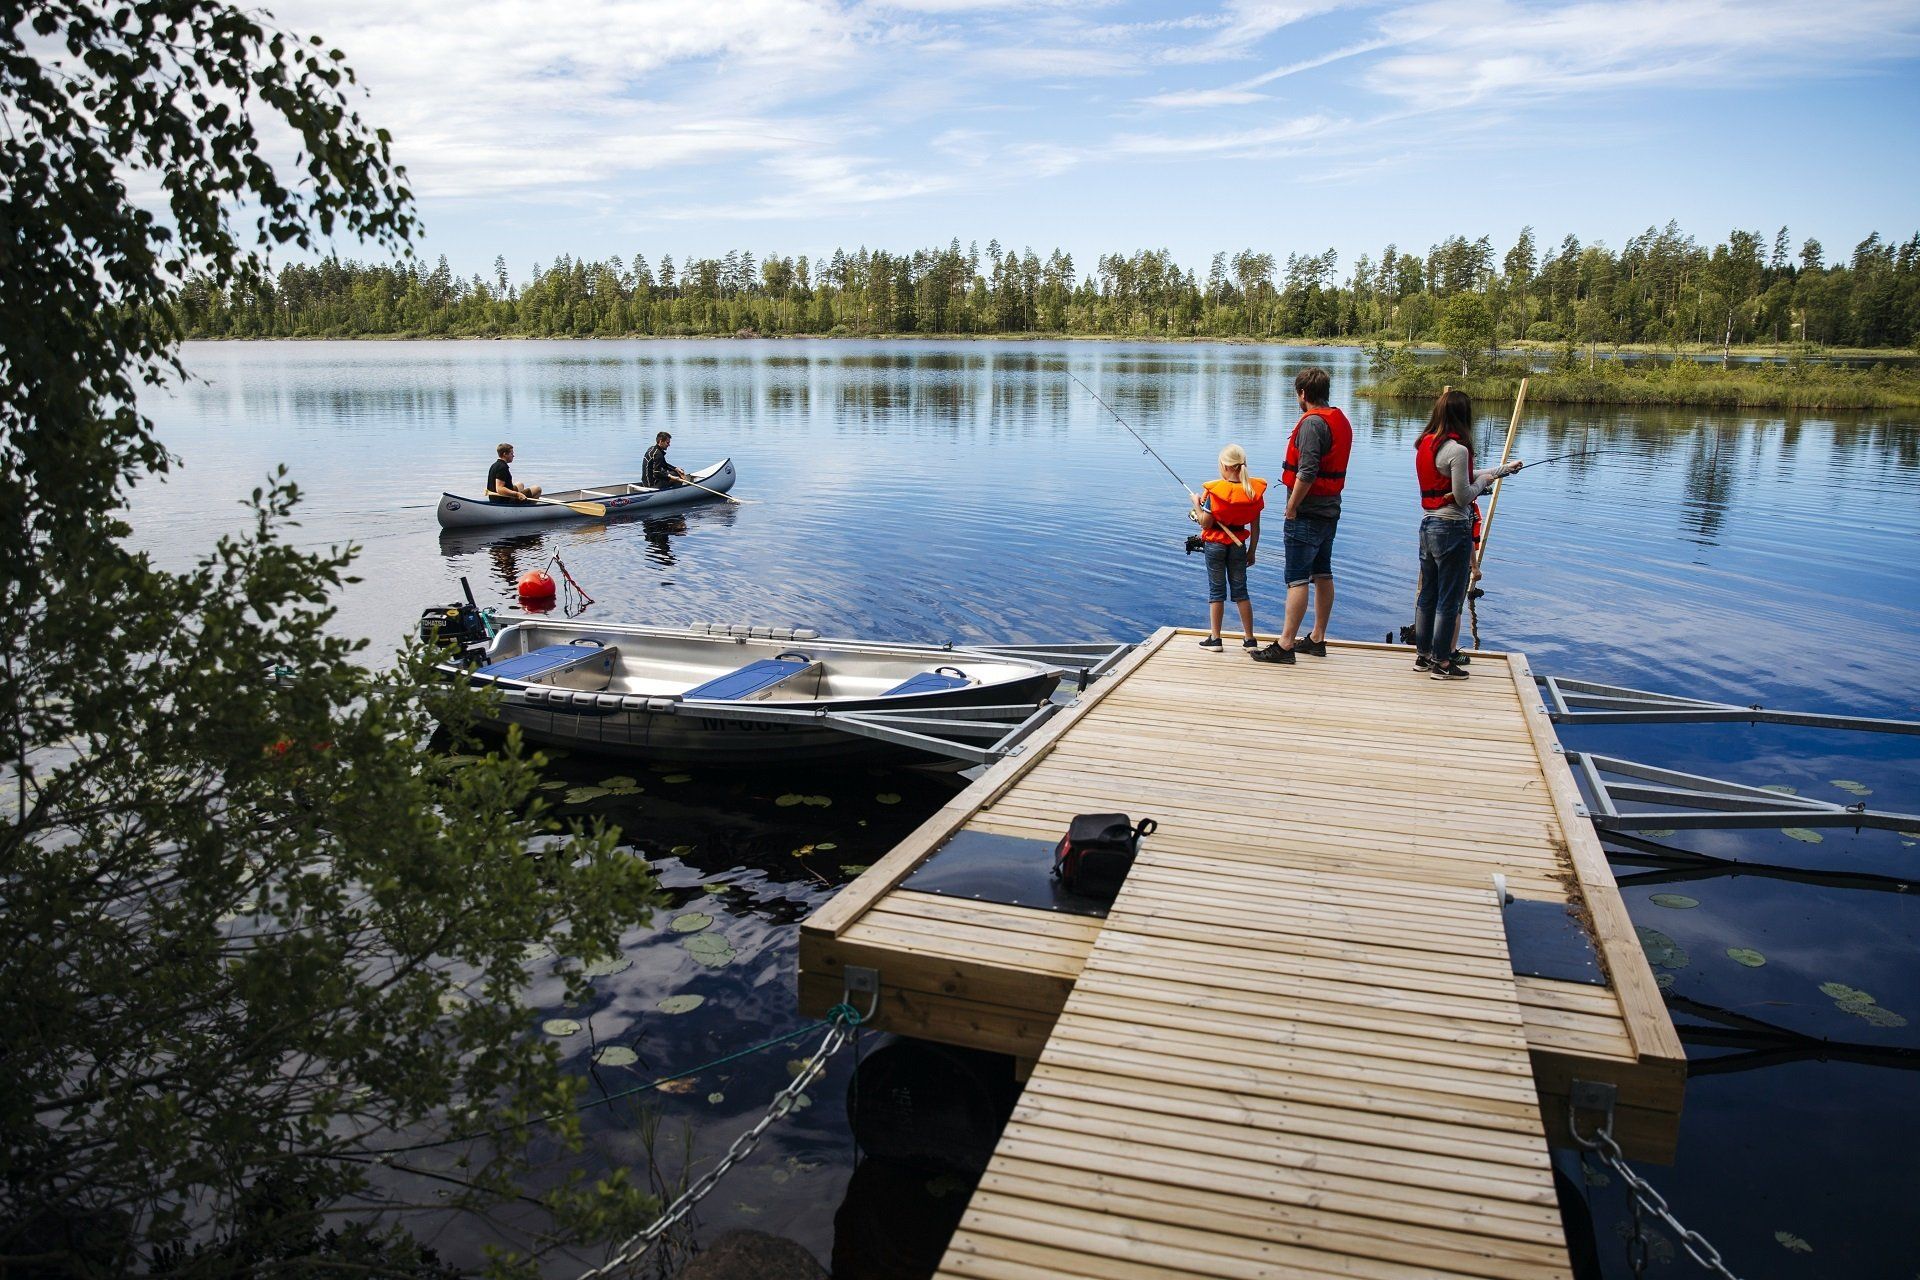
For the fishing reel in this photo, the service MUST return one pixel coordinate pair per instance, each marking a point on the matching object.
(1195, 543)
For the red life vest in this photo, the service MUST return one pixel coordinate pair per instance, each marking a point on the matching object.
(1234, 507)
(1436, 489)
(1333, 463)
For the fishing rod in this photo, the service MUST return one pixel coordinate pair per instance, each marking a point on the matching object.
(1184, 486)
(1562, 457)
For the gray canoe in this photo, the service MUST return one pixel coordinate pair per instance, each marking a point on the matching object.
(618, 497)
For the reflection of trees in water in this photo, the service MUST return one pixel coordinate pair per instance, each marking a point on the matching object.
(1709, 482)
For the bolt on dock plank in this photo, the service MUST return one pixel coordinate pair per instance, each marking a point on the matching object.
(1296, 1044)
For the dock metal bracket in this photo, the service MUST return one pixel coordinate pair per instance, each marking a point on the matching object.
(859, 980)
(1690, 801)
(1587, 702)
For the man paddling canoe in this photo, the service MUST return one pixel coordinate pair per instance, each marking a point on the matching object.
(500, 485)
(655, 471)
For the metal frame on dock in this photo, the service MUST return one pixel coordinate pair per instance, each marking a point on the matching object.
(1587, 702)
(1692, 801)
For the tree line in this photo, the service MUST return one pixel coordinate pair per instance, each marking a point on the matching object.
(1663, 288)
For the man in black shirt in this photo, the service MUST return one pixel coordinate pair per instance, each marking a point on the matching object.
(655, 471)
(500, 485)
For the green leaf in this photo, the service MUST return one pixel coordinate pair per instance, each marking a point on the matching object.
(560, 1028)
(715, 1099)
(614, 1055)
(789, 800)
(1792, 1243)
(1781, 787)
(1805, 835)
(854, 868)
(682, 850)
(710, 949)
(583, 795)
(887, 797)
(680, 1003)
(826, 845)
(608, 967)
(1841, 991)
(1662, 951)
(1675, 901)
(677, 777)
(691, 922)
(1857, 788)
(1747, 956)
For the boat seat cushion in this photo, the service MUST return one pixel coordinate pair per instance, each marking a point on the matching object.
(755, 677)
(545, 661)
(928, 682)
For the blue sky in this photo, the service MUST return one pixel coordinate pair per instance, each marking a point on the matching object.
(597, 127)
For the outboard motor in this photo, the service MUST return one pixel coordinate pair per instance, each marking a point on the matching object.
(463, 626)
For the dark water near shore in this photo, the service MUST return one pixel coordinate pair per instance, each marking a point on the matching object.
(970, 491)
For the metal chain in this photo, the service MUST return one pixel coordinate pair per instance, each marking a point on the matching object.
(1645, 1199)
(846, 1022)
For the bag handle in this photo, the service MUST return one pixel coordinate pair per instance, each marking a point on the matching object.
(1145, 827)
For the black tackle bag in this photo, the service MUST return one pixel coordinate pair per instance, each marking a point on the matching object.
(1097, 852)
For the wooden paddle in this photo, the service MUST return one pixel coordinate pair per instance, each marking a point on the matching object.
(597, 510)
(715, 492)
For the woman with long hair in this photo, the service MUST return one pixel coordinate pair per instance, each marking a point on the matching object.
(1229, 515)
(1443, 461)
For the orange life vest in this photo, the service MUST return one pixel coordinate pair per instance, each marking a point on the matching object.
(1333, 463)
(1234, 507)
(1436, 488)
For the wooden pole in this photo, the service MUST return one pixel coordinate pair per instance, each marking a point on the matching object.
(1493, 499)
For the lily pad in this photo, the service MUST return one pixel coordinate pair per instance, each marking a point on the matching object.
(534, 951)
(553, 784)
(453, 1002)
(682, 850)
(1781, 787)
(618, 781)
(817, 802)
(1658, 832)
(1747, 956)
(677, 777)
(691, 922)
(855, 868)
(825, 845)
(607, 968)
(788, 800)
(1857, 788)
(1664, 981)
(715, 1099)
(680, 1004)
(582, 795)
(560, 1028)
(1675, 901)
(615, 1055)
(1875, 1015)
(1804, 834)
(1792, 1243)
(710, 949)
(1841, 992)
(887, 797)
(716, 887)
(795, 1066)
(1662, 951)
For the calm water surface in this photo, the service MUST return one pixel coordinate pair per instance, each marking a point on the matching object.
(971, 492)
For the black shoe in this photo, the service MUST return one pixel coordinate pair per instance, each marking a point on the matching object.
(1446, 671)
(1249, 643)
(1211, 642)
(1460, 659)
(1274, 653)
(1423, 663)
(1309, 646)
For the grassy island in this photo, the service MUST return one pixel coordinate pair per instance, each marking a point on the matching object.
(1677, 383)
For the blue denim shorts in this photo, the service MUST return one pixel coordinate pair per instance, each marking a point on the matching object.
(1226, 568)
(1309, 541)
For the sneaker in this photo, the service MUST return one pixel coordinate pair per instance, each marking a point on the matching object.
(1446, 671)
(1309, 646)
(1274, 653)
(1423, 663)
(1249, 643)
(1460, 659)
(1211, 642)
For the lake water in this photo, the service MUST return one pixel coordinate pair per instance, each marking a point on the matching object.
(970, 491)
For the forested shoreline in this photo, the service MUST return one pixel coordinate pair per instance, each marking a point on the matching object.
(1664, 289)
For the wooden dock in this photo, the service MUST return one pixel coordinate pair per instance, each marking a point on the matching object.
(1296, 1044)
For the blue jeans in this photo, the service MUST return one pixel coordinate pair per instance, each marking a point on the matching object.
(1226, 567)
(1446, 562)
(1309, 542)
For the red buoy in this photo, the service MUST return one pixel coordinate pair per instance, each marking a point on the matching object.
(536, 587)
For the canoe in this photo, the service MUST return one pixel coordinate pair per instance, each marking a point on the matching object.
(748, 695)
(618, 497)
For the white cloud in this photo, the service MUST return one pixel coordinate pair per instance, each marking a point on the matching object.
(1242, 24)
(1190, 98)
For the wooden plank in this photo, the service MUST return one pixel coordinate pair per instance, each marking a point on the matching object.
(1648, 1023)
